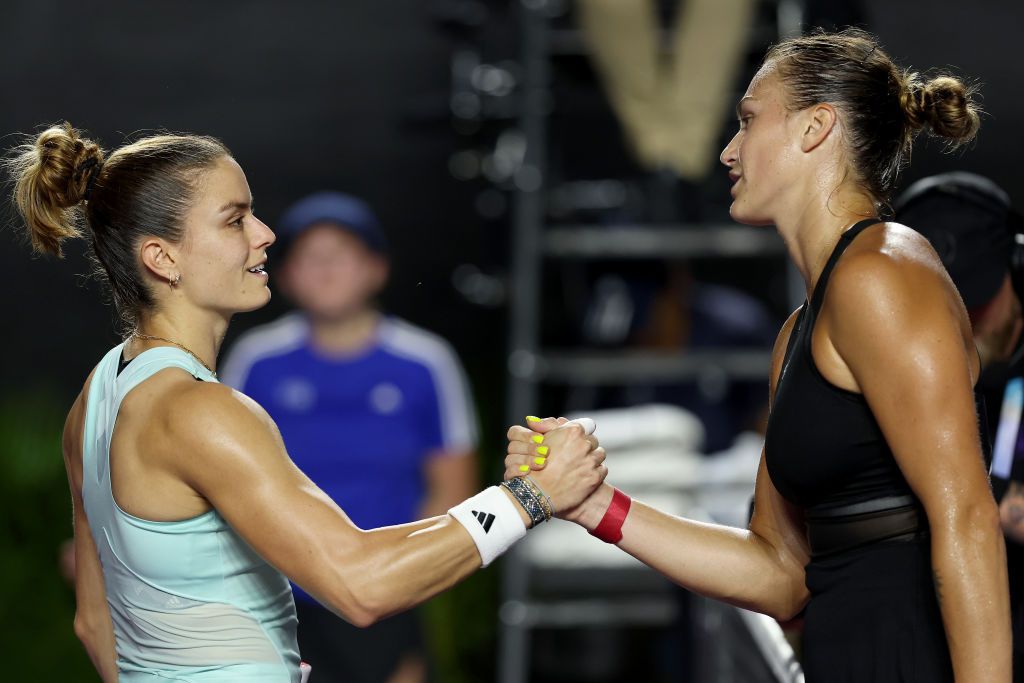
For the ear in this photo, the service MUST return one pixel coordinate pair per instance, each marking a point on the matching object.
(158, 259)
(818, 123)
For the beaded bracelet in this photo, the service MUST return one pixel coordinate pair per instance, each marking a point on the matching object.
(545, 499)
(525, 496)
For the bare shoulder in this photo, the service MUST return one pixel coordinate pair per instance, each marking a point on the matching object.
(208, 409)
(218, 436)
(891, 293)
(889, 270)
(76, 417)
(71, 439)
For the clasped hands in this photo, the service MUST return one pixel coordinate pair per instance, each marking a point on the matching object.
(565, 462)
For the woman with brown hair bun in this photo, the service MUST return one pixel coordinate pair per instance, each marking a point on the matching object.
(188, 512)
(873, 514)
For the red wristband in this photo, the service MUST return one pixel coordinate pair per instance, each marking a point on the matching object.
(610, 528)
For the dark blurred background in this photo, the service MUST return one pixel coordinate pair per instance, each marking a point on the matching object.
(389, 101)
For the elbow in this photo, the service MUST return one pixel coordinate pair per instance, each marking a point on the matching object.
(362, 609)
(362, 618)
(779, 591)
(787, 610)
(789, 603)
(787, 592)
(356, 597)
(977, 520)
(86, 629)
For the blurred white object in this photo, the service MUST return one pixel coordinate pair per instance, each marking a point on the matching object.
(728, 478)
(657, 424)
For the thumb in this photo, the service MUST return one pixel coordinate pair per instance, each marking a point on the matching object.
(542, 425)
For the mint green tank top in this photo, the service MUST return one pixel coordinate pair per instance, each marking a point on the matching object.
(190, 600)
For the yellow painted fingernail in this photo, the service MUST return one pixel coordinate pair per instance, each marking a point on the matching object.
(524, 468)
(538, 438)
(532, 418)
(540, 461)
(542, 450)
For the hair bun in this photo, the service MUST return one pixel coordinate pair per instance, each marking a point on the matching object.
(943, 105)
(53, 176)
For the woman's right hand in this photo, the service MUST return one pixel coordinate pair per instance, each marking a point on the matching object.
(566, 463)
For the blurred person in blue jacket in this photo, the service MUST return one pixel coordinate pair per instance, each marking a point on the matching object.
(375, 410)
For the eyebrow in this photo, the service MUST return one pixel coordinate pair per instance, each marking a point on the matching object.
(236, 205)
(740, 104)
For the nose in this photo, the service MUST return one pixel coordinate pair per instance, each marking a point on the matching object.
(730, 155)
(263, 236)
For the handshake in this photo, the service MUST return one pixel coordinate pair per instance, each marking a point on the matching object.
(565, 461)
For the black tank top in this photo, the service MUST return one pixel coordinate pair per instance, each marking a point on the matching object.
(823, 447)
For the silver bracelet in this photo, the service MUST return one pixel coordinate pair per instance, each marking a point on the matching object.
(538, 489)
(525, 496)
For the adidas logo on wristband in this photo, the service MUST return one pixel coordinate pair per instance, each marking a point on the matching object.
(493, 520)
(486, 519)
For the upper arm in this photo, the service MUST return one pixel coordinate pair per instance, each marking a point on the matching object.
(233, 455)
(898, 326)
(776, 520)
(92, 611)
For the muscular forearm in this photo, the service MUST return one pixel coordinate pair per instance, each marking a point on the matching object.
(969, 564)
(399, 567)
(729, 564)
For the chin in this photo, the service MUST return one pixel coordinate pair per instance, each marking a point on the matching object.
(746, 217)
(255, 303)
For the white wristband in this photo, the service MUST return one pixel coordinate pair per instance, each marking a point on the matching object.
(493, 520)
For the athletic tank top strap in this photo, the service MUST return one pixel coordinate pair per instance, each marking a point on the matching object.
(844, 241)
(152, 361)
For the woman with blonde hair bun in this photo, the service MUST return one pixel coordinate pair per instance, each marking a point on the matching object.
(873, 515)
(188, 513)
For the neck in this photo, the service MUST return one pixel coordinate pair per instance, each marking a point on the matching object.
(811, 233)
(200, 334)
(346, 333)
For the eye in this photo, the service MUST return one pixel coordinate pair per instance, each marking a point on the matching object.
(238, 222)
(745, 120)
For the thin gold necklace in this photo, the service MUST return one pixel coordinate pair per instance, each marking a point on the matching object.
(152, 337)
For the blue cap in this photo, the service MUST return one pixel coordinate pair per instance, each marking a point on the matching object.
(347, 212)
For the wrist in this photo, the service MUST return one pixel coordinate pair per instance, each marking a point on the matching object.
(589, 513)
(493, 522)
(523, 514)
